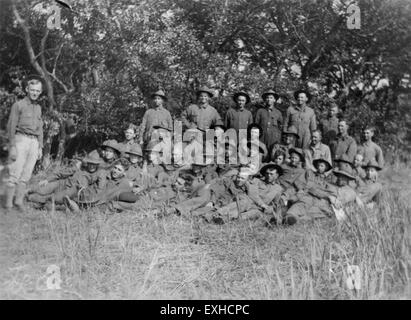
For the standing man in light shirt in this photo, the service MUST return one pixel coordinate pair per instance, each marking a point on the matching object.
(157, 116)
(302, 117)
(316, 150)
(25, 130)
(201, 115)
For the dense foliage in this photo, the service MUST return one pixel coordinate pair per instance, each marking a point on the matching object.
(109, 55)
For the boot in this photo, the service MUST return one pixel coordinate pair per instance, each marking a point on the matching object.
(20, 193)
(10, 190)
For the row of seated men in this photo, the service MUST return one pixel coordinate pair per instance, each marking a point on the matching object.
(285, 185)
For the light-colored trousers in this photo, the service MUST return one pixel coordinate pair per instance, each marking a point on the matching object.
(21, 169)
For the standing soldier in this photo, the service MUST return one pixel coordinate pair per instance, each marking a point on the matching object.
(329, 126)
(369, 149)
(239, 117)
(270, 119)
(25, 130)
(201, 115)
(302, 117)
(344, 144)
(155, 116)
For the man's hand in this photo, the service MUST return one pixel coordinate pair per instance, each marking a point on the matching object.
(13, 153)
(43, 183)
(40, 154)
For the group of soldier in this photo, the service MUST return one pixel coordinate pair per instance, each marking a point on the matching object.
(276, 169)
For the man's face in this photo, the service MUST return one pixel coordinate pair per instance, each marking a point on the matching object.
(34, 91)
(271, 175)
(108, 153)
(255, 133)
(302, 99)
(321, 167)
(315, 138)
(203, 98)
(333, 111)
(342, 180)
(241, 179)
(117, 171)
(197, 170)
(129, 134)
(279, 160)
(158, 101)
(295, 159)
(372, 173)
(154, 157)
(134, 159)
(368, 134)
(342, 127)
(241, 101)
(289, 139)
(270, 100)
(92, 167)
(358, 161)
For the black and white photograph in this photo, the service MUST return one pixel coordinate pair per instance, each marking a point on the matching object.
(192, 152)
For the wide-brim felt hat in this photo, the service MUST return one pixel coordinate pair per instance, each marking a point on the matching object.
(272, 92)
(93, 157)
(135, 149)
(261, 147)
(344, 172)
(113, 144)
(241, 93)
(319, 160)
(373, 164)
(298, 151)
(291, 130)
(159, 93)
(344, 159)
(296, 93)
(205, 90)
(270, 165)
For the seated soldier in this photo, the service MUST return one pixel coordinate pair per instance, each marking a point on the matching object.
(253, 198)
(322, 170)
(279, 158)
(116, 183)
(294, 174)
(369, 189)
(55, 181)
(289, 137)
(316, 201)
(110, 151)
(130, 134)
(70, 186)
(358, 170)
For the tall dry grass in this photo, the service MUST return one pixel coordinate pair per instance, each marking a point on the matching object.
(134, 255)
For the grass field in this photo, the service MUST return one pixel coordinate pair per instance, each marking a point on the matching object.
(133, 255)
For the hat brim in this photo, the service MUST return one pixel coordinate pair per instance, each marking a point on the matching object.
(378, 168)
(265, 94)
(293, 133)
(302, 156)
(210, 94)
(271, 165)
(236, 95)
(134, 153)
(343, 173)
(159, 95)
(111, 147)
(302, 91)
(317, 161)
